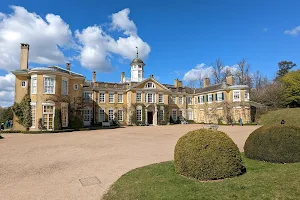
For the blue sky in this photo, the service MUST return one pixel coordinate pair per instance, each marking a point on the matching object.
(175, 36)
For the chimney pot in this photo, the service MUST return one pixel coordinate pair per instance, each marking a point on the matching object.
(68, 66)
(94, 76)
(24, 56)
(122, 77)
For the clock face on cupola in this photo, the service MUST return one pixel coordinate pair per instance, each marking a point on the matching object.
(137, 69)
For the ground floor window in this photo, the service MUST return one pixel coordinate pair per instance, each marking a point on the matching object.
(161, 114)
(33, 115)
(64, 115)
(87, 114)
(180, 115)
(174, 115)
(110, 114)
(138, 115)
(101, 115)
(48, 117)
(120, 115)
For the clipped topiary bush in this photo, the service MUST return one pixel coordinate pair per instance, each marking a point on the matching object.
(207, 155)
(277, 144)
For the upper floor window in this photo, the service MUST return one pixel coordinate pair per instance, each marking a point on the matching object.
(149, 85)
(160, 98)
(189, 100)
(138, 97)
(210, 98)
(101, 97)
(120, 98)
(236, 95)
(111, 97)
(220, 96)
(75, 86)
(247, 96)
(64, 88)
(33, 84)
(201, 99)
(49, 85)
(23, 84)
(174, 99)
(150, 97)
(180, 99)
(87, 96)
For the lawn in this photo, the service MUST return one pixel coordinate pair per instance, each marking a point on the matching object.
(290, 115)
(159, 181)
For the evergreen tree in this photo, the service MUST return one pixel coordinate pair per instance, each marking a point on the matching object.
(284, 68)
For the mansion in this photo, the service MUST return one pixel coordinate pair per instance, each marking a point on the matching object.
(133, 101)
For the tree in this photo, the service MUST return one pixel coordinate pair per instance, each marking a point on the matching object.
(6, 114)
(291, 83)
(243, 73)
(259, 81)
(217, 72)
(284, 68)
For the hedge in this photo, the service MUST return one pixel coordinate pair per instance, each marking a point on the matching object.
(274, 143)
(207, 155)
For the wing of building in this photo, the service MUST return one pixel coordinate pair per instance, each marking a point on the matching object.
(135, 100)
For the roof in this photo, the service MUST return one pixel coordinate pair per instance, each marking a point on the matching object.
(49, 68)
(137, 61)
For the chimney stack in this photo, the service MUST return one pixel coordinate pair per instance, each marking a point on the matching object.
(68, 66)
(230, 80)
(176, 83)
(122, 77)
(206, 82)
(24, 56)
(94, 76)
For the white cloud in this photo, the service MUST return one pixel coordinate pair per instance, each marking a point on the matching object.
(202, 71)
(98, 47)
(199, 72)
(293, 32)
(121, 21)
(7, 89)
(45, 36)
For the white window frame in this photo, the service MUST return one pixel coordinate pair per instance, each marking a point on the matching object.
(233, 95)
(110, 94)
(54, 83)
(75, 86)
(53, 114)
(246, 95)
(150, 85)
(173, 99)
(160, 98)
(139, 114)
(148, 96)
(111, 114)
(101, 115)
(189, 102)
(120, 100)
(87, 114)
(219, 95)
(201, 99)
(139, 94)
(33, 116)
(210, 98)
(34, 81)
(161, 114)
(101, 98)
(64, 91)
(87, 96)
(180, 100)
(120, 117)
(64, 105)
(180, 114)
(174, 110)
(190, 117)
(25, 83)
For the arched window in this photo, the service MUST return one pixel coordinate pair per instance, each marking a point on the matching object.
(149, 85)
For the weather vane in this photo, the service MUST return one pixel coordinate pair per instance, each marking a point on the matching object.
(137, 52)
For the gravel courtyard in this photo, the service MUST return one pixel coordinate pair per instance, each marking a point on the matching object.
(82, 165)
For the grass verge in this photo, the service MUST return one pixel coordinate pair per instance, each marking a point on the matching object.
(291, 116)
(159, 181)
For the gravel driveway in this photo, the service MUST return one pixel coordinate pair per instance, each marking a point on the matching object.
(82, 165)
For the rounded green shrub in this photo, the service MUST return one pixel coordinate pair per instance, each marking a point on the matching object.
(207, 155)
(277, 144)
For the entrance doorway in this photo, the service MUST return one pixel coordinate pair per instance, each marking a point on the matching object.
(150, 117)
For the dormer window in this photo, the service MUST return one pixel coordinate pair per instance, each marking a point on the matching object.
(140, 66)
(149, 85)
